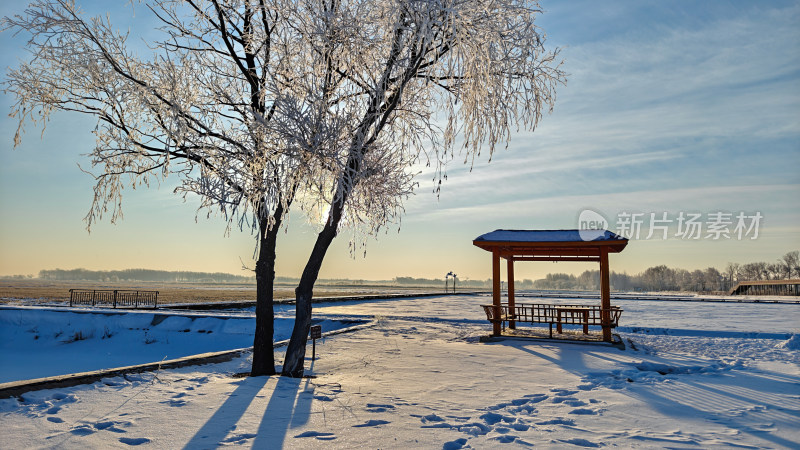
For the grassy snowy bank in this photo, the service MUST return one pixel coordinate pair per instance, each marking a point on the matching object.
(40, 342)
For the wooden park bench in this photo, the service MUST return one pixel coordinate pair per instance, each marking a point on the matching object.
(550, 314)
(113, 298)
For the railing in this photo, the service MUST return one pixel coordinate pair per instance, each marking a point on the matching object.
(554, 314)
(767, 287)
(113, 298)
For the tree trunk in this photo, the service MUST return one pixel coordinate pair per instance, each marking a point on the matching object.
(263, 356)
(294, 363)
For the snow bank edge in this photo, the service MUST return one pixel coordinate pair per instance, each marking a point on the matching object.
(17, 388)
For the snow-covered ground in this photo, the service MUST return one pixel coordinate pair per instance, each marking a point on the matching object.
(691, 376)
(40, 342)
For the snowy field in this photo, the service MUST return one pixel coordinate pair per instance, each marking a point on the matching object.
(691, 376)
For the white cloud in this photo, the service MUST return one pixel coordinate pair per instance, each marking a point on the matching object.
(565, 208)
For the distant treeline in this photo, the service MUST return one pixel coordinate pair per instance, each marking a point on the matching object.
(487, 283)
(658, 278)
(142, 275)
(663, 278)
(411, 282)
(217, 277)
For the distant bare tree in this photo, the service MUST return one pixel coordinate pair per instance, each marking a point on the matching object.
(791, 264)
(712, 279)
(732, 272)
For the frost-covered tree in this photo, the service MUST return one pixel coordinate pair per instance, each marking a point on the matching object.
(260, 105)
(211, 103)
(412, 78)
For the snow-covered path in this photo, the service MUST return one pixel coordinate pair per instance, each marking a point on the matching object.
(415, 383)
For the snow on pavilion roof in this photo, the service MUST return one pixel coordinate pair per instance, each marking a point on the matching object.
(549, 236)
(513, 243)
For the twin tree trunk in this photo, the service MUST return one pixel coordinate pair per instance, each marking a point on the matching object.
(263, 351)
(263, 357)
(294, 362)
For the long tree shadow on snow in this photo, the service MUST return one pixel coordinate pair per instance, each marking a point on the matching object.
(289, 407)
(216, 429)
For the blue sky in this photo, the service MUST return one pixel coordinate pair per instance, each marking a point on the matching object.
(670, 107)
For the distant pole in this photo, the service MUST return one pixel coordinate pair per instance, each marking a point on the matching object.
(454, 283)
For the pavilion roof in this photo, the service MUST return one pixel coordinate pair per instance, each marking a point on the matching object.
(551, 242)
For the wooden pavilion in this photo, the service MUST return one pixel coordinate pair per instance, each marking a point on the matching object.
(551, 245)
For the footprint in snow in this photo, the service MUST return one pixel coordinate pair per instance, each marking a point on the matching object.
(492, 418)
(134, 441)
(473, 429)
(83, 430)
(524, 406)
(175, 403)
(433, 421)
(136, 378)
(372, 423)
(47, 406)
(584, 411)
(498, 406)
(558, 421)
(431, 418)
(461, 418)
(438, 425)
(55, 419)
(569, 401)
(505, 439)
(64, 398)
(113, 382)
(111, 425)
(563, 392)
(378, 408)
(322, 436)
(239, 438)
(455, 445)
(580, 442)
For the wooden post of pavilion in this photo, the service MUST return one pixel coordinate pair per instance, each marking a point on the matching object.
(512, 324)
(496, 330)
(605, 296)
